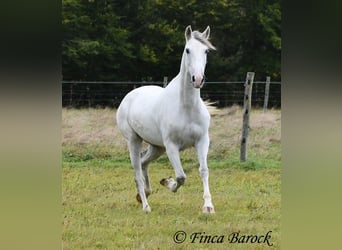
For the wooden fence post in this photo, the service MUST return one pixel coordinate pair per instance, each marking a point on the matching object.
(88, 96)
(267, 90)
(246, 111)
(71, 93)
(165, 81)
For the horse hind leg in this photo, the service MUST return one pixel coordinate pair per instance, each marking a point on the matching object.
(134, 144)
(152, 153)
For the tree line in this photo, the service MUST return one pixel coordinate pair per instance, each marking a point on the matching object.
(136, 40)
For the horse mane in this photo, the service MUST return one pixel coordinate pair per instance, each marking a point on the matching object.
(199, 37)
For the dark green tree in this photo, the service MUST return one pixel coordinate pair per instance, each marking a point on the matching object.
(143, 39)
(94, 46)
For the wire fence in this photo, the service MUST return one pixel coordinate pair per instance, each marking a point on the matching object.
(86, 94)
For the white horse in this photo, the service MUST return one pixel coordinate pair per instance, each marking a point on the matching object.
(170, 119)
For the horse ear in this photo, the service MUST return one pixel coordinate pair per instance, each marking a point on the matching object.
(206, 33)
(188, 32)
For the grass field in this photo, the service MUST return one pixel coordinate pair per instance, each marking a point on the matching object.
(99, 206)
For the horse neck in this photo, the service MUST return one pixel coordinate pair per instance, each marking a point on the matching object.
(189, 96)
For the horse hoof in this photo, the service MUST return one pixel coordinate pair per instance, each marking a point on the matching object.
(169, 183)
(208, 210)
(139, 198)
(164, 181)
(147, 209)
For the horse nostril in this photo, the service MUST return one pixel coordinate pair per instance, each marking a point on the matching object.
(202, 81)
(193, 78)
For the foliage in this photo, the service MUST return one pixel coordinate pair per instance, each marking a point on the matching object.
(143, 40)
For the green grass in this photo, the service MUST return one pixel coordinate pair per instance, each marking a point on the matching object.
(100, 210)
(99, 206)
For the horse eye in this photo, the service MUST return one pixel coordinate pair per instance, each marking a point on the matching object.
(206, 51)
(187, 50)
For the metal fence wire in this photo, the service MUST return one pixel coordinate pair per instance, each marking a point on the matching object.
(86, 94)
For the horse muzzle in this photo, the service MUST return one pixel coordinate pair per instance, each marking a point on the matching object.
(197, 81)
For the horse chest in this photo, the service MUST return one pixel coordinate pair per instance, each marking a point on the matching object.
(186, 135)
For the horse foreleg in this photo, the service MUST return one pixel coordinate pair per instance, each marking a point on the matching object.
(134, 151)
(172, 152)
(202, 152)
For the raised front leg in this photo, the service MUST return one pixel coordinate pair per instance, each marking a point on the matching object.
(202, 152)
(172, 152)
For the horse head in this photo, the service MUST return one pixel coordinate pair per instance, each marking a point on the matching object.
(195, 53)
